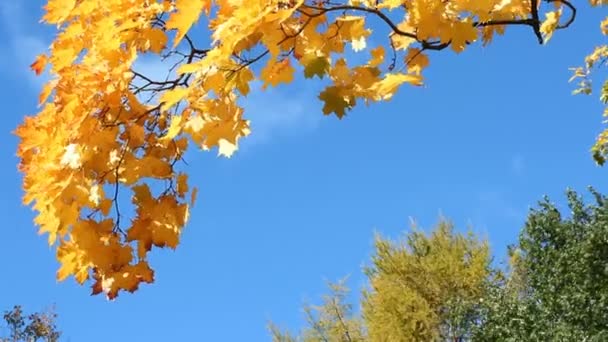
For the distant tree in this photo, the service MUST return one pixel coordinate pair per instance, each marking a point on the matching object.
(39, 326)
(426, 288)
(331, 321)
(558, 286)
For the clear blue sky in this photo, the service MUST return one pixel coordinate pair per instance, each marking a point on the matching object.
(493, 131)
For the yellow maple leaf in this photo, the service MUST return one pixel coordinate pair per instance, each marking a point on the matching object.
(461, 34)
(277, 72)
(150, 166)
(187, 14)
(377, 56)
(172, 97)
(46, 91)
(416, 61)
(550, 24)
(182, 184)
(604, 26)
(57, 11)
(386, 88)
(174, 128)
(142, 195)
(401, 41)
(154, 39)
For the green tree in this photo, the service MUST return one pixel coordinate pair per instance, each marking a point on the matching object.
(39, 326)
(426, 287)
(560, 268)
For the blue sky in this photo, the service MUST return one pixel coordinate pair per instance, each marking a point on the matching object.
(493, 131)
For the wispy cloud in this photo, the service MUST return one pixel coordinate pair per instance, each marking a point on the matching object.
(496, 203)
(518, 165)
(280, 112)
(274, 112)
(21, 46)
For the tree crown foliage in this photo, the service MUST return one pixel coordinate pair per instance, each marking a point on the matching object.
(101, 159)
(428, 287)
(443, 287)
(558, 285)
(38, 326)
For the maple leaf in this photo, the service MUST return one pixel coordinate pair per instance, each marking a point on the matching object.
(154, 167)
(359, 44)
(390, 4)
(550, 24)
(154, 39)
(335, 102)
(377, 56)
(57, 11)
(386, 88)
(172, 97)
(46, 91)
(318, 66)
(242, 80)
(462, 34)
(174, 128)
(187, 14)
(182, 184)
(400, 41)
(39, 64)
(277, 72)
(416, 61)
(71, 157)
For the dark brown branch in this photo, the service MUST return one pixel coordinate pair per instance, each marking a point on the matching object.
(116, 188)
(315, 10)
(376, 12)
(572, 13)
(536, 21)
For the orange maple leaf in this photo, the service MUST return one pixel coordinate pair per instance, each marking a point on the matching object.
(39, 64)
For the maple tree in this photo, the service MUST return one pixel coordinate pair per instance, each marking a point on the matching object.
(596, 58)
(107, 132)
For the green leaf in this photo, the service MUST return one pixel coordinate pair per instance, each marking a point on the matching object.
(317, 66)
(334, 101)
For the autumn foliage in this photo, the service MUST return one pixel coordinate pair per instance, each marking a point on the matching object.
(100, 159)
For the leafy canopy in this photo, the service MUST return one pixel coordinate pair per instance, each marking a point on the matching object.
(38, 326)
(100, 159)
(427, 287)
(443, 286)
(558, 286)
